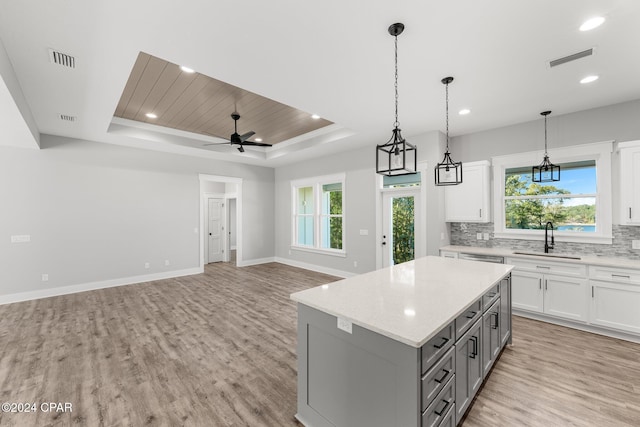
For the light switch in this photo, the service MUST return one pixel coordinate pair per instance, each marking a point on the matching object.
(364, 232)
(485, 236)
(478, 236)
(23, 238)
(635, 244)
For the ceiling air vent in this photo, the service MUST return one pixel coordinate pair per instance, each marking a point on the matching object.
(62, 59)
(570, 58)
(67, 118)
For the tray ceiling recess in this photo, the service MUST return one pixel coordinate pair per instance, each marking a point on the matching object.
(192, 102)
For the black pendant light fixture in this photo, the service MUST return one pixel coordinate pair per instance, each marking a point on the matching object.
(448, 172)
(545, 171)
(396, 156)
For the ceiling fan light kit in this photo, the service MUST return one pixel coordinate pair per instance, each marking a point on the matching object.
(545, 171)
(448, 172)
(396, 156)
(241, 140)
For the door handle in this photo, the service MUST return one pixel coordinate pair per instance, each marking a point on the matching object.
(209, 234)
(444, 341)
(441, 379)
(444, 408)
(473, 314)
(474, 352)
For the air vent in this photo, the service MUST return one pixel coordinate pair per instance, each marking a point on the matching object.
(570, 58)
(62, 59)
(67, 118)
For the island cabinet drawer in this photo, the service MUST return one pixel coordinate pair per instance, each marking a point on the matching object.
(614, 274)
(434, 415)
(437, 346)
(468, 318)
(543, 266)
(437, 377)
(490, 297)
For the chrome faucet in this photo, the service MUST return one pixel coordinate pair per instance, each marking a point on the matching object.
(548, 246)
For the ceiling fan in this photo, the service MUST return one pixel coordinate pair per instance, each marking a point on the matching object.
(240, 140)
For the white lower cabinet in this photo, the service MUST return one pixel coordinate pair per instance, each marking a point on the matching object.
(552, 294)
(615, 305)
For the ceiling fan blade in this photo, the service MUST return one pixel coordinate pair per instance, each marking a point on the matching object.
(217, 143)
(257, 144)
(246, 136)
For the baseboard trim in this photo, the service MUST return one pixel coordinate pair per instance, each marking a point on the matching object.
(580, 326)
(249, 262)
(72, 289)
(316, 268)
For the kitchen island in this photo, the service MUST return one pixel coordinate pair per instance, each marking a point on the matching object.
(407, 345)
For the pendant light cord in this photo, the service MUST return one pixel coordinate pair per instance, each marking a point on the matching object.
(396, 123)
(545, 135)
(447, 114)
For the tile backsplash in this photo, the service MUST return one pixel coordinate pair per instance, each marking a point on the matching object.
(464, 234)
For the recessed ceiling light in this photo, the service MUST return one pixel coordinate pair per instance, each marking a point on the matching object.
(592, 23)
(187, 69)
(409, 312)
(315, 116)
(589, 79)
(258, 139)
(151, 116)
(464, 111)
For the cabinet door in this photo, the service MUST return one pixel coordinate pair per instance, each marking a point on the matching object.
(468, 368)
(526, 291)
(505, 311)
(615, 305)
(629, 186)
(469, 201)
(565, 297)
(490, 337)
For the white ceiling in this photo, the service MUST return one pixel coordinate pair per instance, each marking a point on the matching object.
(332, 57)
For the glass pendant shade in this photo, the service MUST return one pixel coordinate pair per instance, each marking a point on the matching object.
(545, 171)
(448, 172)
(396, 156)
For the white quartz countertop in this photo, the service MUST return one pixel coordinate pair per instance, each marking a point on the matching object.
(557, 257)
(408, 302)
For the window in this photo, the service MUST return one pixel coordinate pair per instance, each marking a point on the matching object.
(579, 205)
(570, 204)
(318, 214)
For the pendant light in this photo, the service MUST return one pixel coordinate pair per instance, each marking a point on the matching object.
(396, 156)
(448, 172)
(545, 171)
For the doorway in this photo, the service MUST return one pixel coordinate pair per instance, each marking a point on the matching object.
(220, 223)
(399, 226)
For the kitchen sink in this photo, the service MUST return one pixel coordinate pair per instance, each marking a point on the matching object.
(541, 254)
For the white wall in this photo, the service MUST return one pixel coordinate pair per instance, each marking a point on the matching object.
(360, 205)
(618, 122)
(97, 212)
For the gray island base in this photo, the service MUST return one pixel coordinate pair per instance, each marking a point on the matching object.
(409, 345)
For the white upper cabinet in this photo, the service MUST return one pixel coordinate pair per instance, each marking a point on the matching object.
(469, 201)
(629, 183)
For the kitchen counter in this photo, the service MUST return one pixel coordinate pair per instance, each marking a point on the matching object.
(551, 257)
(408, 302)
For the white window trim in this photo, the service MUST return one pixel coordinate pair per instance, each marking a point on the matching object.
(600, 152)
(317, 183)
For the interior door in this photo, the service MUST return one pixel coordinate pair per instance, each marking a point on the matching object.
(215, 224)
(398, 226)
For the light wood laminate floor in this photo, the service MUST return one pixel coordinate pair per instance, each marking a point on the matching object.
(218, 349)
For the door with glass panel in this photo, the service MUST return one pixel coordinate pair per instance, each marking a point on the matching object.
(398, 226)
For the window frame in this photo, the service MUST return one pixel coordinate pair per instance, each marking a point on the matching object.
(599, 152)
(316, 183)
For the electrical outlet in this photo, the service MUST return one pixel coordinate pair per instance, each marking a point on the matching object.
(478, 236)
(345, 325)
(23, 238)
(355, 263)
(635, 244)
(166, 262)
(147, 265)
(45, 277)
(485, 236)
(364, 232)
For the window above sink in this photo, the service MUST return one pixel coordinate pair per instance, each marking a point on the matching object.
(579, 205)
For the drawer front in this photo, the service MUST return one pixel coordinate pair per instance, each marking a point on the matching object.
(545, 267)
(490, 297)
(439, 408)
(468, 318)
(613, 274)
(437, 377)
(437, 346)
